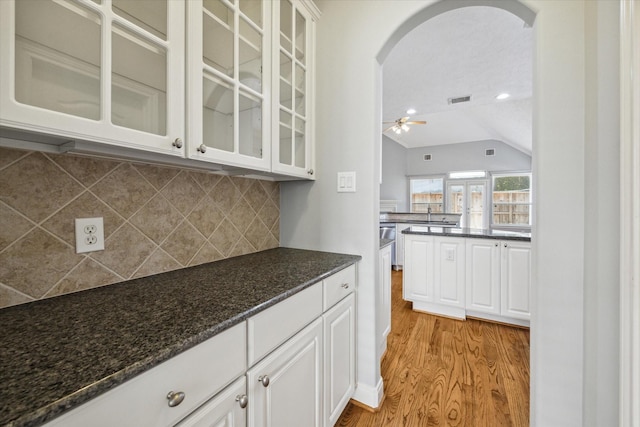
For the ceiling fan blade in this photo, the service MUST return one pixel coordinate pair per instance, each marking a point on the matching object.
(416, 122)
(390, 127)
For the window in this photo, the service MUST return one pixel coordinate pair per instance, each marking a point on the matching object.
(426, 193)
(511, 200)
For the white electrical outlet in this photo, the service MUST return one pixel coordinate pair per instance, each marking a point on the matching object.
(89, 235)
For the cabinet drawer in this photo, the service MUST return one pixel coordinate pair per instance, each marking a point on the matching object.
(272, 327)
(199, 373)
(339, 286)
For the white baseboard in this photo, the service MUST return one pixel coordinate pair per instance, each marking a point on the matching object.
(368, 395)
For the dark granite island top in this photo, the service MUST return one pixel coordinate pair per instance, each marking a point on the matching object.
(58, 353)
(468, 232)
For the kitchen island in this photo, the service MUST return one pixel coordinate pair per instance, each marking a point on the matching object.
(60, 352)
(462, 272)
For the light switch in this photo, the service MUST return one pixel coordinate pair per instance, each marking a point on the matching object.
(346, 182)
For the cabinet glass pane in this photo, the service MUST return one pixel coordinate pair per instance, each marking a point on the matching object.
(300, 143)
(55, 69)
(301, 31)
(139, 83)
(217, 43)
(286, 20)
(150, 15)
(250, 126)
(217, 115)
(300, 90)
(252, 10)
(286, 154)
(285, 81)
(250, 62)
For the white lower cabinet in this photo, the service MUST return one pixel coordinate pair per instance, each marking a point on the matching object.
(227, 409)
(291, 365)
(385, 296)
(285, 389)
(515, 279)
(456, 277)
(483, 276)
(339, 358)
(433, 278)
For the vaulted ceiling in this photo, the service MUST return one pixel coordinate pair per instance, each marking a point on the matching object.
(478, 51)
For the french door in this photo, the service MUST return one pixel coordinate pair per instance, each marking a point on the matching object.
(468, 198)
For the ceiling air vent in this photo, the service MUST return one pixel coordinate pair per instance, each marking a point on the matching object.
(490, 152)
(459, 99)
(426, 157)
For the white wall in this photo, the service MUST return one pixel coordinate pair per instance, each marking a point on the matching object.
(350, 36)
(394, 185)
(466, 156)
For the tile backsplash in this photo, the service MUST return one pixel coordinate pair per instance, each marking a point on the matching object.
(156, 219)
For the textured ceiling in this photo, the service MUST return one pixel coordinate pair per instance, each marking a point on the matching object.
(479, 51)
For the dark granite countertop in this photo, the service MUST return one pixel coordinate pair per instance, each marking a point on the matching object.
(468, 232)
(59, 352)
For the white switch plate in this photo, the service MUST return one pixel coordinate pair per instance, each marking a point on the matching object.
(346, 182)
(89, 235)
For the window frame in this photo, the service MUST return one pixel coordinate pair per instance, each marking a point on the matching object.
(442, 177)
(511, 227)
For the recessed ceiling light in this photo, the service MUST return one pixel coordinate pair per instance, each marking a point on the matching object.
(503, 96)
(411, 111)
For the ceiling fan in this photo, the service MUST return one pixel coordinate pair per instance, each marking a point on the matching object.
(402, 124)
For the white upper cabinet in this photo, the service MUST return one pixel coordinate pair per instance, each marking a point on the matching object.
(105, 71)
(293, 85)
(228, 110)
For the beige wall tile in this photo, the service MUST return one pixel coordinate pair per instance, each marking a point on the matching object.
(191, 214)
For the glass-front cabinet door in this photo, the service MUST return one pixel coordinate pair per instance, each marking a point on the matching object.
(228, 46)
(109, 71)
(293, 151)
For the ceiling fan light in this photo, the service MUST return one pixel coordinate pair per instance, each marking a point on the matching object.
(397, 130)
(405, 128)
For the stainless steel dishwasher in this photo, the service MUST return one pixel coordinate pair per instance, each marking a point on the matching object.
(388, 231)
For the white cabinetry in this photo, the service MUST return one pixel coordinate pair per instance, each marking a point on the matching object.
(400, 251)
(515, 279)
(384, 264)
(228, 113)
(418, 274)
(449, 280)
(226, 409)
(198, 373)
(110, 72)
(293, 83)
(483, 276)
(285, 389)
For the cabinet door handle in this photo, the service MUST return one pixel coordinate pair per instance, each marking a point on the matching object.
(202, 148)
(175, 398)
(242, 400)
(177, 143)
(345, 286)
(310, 171)
(264, 379)
(505, 245)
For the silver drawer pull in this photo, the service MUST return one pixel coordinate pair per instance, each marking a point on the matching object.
(242, 400)
(345, 286)
(177, 143)
(175, 398)
(264, 379)
(202, 148)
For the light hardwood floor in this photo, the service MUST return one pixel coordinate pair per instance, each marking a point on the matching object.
(443, 372)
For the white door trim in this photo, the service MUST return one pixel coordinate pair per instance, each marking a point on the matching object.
(630, 214)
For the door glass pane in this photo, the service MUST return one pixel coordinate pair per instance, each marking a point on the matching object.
(139, 83)
(301, 29)
(286, 20)
(286, 149)
(250, 126)
(300, 90)
(455, 199)
(250, 62)
(55, 69)
(253, 10)
(150, 15)
(426, 193)
(217, 115)
(217, 43)
(476, 206)
(300, 143)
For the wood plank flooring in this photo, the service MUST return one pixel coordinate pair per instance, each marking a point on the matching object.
(443, 372)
